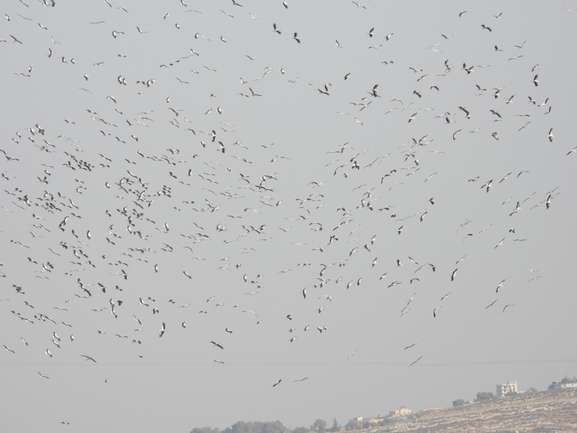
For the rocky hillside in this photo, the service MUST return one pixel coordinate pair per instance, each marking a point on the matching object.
(539, 412)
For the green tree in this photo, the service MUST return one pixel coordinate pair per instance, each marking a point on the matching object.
(320, 425)
(271, 427)
(252, 427)
(484, 396)
(458, 402)
(336, 426)
(301, 430)
(352, 425)
(204, 430)
(241, 427)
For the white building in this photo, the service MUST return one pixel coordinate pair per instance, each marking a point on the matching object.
(564, 383)
(506, 388)
(403, 411)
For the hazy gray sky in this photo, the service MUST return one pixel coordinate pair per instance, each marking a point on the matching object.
(178, 173)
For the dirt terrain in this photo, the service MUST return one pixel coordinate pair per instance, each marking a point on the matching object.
(539, 412)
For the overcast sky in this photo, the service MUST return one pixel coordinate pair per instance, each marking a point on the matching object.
(366, 205)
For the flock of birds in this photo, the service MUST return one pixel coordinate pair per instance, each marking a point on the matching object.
(146, 212)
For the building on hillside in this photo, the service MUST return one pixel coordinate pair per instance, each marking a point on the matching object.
(564, 383)
(506, 388)
(374, 421)
(403, 411)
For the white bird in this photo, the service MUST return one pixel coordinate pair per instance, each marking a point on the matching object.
(454, 274)
(488, 185)
(215, 343)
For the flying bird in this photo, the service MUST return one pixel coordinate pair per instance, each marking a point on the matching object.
(214, 343)
(488, 185)
(454, 274)
(491, 304)
(16, 40)
(417, 360)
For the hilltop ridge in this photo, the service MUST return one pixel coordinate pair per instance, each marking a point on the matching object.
(538, 412)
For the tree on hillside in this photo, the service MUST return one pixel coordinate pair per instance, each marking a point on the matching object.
(484, 396)
(353, 424)
(301, 430)
(336, 426)
(204, 430)
(458, 402)
(320, 425)
(254, 427)
(272, 427)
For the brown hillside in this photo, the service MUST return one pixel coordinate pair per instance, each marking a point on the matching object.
(539, 412)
